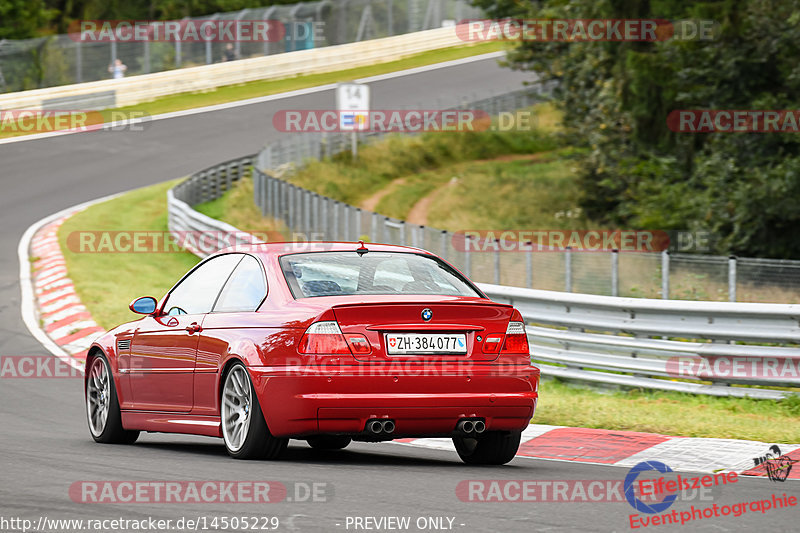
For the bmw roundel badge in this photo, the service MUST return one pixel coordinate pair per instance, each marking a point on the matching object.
(427, 314)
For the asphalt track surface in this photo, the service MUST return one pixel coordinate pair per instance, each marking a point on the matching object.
(45, 446)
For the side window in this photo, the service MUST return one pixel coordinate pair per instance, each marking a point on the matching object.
(245, 289)
(196, 293)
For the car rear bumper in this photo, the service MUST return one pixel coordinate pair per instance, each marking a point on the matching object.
(309, 400)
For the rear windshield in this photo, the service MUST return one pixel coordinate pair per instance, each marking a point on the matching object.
(342, 273)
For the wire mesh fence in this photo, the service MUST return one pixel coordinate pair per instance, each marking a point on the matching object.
(72, 58)
(308, 215)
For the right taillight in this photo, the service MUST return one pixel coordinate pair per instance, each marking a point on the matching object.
(516, 339)
(323, 338)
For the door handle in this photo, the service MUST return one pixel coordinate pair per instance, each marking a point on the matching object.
(194, 327)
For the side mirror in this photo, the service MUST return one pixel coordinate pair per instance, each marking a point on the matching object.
(146, 305)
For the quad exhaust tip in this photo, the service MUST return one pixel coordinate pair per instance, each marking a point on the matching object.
(376, 426)
(471, 426)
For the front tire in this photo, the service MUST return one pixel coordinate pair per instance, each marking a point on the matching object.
(102, 405)
(244, 429)
(490, 448)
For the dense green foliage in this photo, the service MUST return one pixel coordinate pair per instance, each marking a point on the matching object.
(22, 19)
(743, 187)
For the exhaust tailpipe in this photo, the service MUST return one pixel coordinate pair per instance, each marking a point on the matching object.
(480, 426)
(466, 426)
(388, 426)
(375, 426)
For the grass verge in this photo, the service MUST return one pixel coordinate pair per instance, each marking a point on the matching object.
(254, 89)
(106, 282)
(669, 413)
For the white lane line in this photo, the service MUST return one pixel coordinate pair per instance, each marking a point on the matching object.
(262, 99)
(27, 301)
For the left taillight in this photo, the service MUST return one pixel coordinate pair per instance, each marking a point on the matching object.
(516, 341)
(323, 338)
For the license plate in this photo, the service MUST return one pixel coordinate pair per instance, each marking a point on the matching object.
(426, 343)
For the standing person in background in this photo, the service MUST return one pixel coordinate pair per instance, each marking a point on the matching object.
(230, 53)
(117, 68)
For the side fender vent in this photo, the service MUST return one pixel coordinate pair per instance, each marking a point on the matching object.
(123, 345)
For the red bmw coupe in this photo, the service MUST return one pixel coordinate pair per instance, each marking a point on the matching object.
(326, 342)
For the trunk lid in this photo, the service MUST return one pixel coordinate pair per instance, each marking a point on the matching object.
(424, 331)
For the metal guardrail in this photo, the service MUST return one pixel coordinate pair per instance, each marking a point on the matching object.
(625, 341)
(204, 186)
(608, 340)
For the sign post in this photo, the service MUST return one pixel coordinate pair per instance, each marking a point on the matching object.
(352, 102)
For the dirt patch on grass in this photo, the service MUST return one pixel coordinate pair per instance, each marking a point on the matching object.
(372, 202)
(419, 213)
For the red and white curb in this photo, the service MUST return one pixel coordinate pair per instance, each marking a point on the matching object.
(50, 307)
(62, 315)
(628, 448)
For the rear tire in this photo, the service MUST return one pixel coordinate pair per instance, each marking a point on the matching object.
(102, 405)
(329, 442)
(244, 429)
(490, 448)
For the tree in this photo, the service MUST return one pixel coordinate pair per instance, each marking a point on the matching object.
(616, 97)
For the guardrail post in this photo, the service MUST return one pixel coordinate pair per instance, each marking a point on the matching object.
(78, 62)
(467, 262)
(346, 221)
(568, 269)
(290, 207)
(358, 224)
(665, 274)
(113, 51)
(266, 198)
(615, 272)
(529, 266)
(732, 278)
(307, 214)
(443, 245)
(373, 229)
(497, 261)
(335, 210)
(324, 216)
(277, 203)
